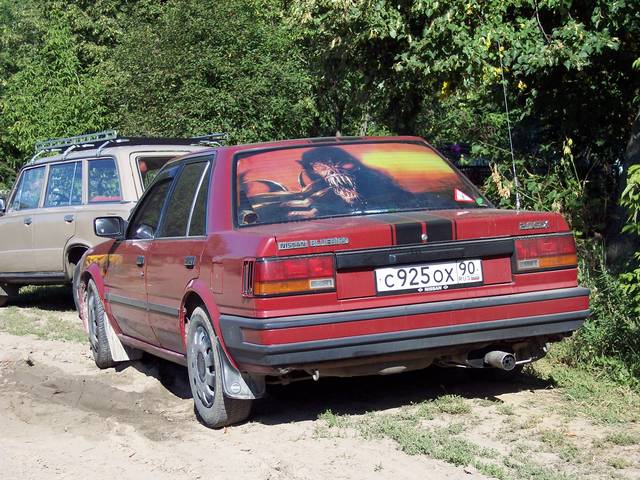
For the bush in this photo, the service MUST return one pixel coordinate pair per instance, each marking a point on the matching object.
(610, 339)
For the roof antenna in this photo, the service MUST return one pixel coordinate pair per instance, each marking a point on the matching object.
(516, 183)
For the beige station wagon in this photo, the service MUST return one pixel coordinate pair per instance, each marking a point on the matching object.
(46, 223)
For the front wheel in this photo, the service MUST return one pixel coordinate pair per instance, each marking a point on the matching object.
(7, 292)
(96, 319)
(213, 408)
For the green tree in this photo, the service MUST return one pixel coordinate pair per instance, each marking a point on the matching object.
(200, 66)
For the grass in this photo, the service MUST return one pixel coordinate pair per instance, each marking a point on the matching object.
(452, 404)
(42, 324)
(560, 444)
(434, 429)
(595, 396)
(505, 409)
(623, 439)
(618, 463)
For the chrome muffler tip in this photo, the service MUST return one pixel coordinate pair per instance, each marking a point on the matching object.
(502, 360)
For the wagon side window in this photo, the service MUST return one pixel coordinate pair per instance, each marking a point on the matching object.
(64, 187)
(104, 182)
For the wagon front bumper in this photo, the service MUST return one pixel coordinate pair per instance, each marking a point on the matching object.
(295, 341)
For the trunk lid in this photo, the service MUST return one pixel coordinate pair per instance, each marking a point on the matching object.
(363, 244)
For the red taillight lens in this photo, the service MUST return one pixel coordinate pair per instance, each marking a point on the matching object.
(544, 252)
(294, 275)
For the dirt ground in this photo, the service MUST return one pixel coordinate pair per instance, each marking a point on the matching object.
(61, 417)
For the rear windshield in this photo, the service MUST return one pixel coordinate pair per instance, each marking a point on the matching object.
(293, 184)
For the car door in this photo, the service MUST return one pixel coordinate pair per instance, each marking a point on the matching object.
(16, 226)
(176, 251)
(54, 224)
(125, 282)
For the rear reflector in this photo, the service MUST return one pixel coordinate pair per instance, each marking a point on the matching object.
(545, 252)
(281, 276)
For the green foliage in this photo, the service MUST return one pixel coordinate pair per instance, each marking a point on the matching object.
(609, 341)
(236, 68)
(631, 200)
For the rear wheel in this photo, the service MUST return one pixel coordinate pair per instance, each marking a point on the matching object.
(96, 319)
(212, 407)
(75, 285)
(7, 292)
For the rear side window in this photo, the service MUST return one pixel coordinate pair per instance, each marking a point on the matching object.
(148, 167)
(182, 200)
(29, 189)
(198, 225)
(291, 184)
(104, 183)
(64, 187)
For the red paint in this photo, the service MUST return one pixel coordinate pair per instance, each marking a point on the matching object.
(413, 322)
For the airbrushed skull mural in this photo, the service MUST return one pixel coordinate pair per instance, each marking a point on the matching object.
(320, 181)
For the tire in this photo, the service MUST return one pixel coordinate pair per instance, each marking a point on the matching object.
(7, 292)
(74, 286)
(96, 319)
(212, 407)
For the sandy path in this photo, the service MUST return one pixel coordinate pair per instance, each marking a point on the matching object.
(63, 418)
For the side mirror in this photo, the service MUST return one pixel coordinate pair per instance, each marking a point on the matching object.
(3, 206)
(109, 227)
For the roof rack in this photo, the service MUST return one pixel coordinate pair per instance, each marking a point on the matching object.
(212, 139)
(108, 138)
(59, 143)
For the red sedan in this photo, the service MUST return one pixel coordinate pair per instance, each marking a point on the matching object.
(324, 257)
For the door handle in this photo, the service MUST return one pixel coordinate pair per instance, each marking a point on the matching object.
(68, 218)
(140, 261)
(28, 221)
(190, 261)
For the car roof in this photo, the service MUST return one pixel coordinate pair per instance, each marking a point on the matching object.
(302, 142)
(126, 147)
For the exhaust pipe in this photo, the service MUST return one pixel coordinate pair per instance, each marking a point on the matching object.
(502, 360)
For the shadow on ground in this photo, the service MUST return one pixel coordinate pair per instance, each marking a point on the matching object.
(306, 400)
(52, 298)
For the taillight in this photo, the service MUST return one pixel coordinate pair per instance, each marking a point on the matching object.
(545, 252)
(281, 276)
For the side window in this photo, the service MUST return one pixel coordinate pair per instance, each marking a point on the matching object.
(65, 185)
(29, 189)
(104, 184)
(146, 219)
(198, 225)
(181, 201)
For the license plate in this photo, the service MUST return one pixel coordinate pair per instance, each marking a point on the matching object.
(429, 277)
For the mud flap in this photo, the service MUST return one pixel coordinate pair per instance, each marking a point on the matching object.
(119, 352)
(238, 385)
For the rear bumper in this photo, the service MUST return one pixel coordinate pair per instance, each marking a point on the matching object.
(311, 339)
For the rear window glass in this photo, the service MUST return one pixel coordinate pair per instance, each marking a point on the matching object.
(363, 178)
(148, 167)
(104, 183)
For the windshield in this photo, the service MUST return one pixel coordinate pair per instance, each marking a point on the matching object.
(302, 183)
